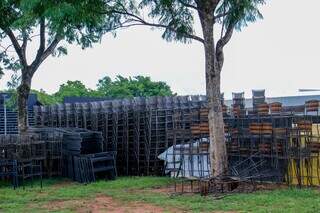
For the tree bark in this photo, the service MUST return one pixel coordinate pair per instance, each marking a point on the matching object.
(218, 151)
(23, 92)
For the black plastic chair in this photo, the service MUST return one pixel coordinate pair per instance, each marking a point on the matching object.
(30, 170)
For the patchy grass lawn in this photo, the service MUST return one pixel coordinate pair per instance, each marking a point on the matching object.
(60, 195)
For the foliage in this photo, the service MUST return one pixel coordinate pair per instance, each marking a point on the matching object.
(74, 21)
(121, 87)
(138, 189)
(177, 17)
(1, 73)
(14, 81)
(51, 22)
(171, 13)
(12, 89)
(239, 12)
(45, 98)
(71, 88)
(138, 86)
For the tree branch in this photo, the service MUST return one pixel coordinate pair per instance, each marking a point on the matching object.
(226, 38)
(24, 42)
(221, 43)
(136, 20)
(37, 62)
(188, 5)
(187, 35)
(16, 46)
(6, 49)
(42, 44)
(221, 15)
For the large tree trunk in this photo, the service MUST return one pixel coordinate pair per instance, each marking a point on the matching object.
(23, 92)
(218, 152)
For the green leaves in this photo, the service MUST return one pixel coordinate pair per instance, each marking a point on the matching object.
(1, 72)
(75, 21)
(9, 12)
(45, 98)
(178, 15)
(138, 86)
(121, 87)
(239, 12)
(14, 81)
(8, 62)
(173, 14)
(72, 88)
(60, 51)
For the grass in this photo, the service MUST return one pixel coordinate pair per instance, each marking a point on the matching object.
(127, 189)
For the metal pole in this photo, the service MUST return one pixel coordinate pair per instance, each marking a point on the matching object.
(5, 114)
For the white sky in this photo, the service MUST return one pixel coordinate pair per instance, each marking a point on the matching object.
(279, 53)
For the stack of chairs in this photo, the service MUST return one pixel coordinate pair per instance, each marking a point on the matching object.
(21, 158)
(88, 167)
(9, 170)
(28, 170)
(238, 105)
(9, 120)
(81, 141)
(258, 97)
(83, 158)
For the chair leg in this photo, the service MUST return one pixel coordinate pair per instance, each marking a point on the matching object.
(22, 179)
(13, 183)
(32, 173)
(40, 174)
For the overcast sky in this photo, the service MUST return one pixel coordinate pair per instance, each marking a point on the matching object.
(279, 53)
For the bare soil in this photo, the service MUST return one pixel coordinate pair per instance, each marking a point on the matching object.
(107, 204)
(103, 203)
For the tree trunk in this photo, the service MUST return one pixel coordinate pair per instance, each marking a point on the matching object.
(218, 151)
(23, 92)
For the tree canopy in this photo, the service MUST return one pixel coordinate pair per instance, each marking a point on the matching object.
(120, 87)
(46, 23)
(138, 86)
(176, 18)
(72, 88)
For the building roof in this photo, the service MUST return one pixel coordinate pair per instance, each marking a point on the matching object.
(286, 101)
(32, 100)
(73, 99)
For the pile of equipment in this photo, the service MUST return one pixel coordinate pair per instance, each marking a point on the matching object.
(83, 157)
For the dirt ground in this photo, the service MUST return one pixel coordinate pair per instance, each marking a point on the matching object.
(107, 204)
(103, 203)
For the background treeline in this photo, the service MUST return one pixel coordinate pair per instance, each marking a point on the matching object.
(120, 87)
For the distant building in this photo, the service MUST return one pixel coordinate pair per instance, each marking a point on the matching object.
(9, 116)
(32, 100)
(286, 101)
(72, 100)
